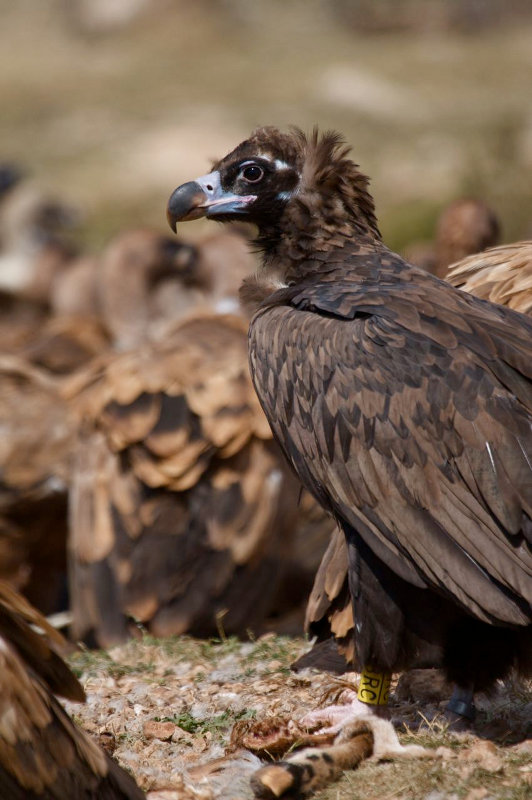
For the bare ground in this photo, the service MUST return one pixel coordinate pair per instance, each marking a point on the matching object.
(166, 709)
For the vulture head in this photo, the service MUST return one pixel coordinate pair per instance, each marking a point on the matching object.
(10, 176)
(465, 227)
(282, 182)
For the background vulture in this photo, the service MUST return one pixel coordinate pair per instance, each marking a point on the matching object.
(181, 506)
(157, 463)
(464, 227)
(33, 483)
(403, 404)
(502, 275)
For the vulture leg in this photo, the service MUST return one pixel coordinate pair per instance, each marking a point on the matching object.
(460, 710)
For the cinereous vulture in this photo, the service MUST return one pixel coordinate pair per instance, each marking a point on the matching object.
(403, 404)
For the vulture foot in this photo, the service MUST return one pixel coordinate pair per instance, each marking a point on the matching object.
(456, 722)
(335, 717)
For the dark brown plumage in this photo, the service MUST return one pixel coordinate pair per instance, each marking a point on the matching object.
(501, 274)
(44, 755)
(403, 404)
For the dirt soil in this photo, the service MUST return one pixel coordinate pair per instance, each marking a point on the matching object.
(165, 709)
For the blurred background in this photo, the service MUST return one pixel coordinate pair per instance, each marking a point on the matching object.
(112, 103)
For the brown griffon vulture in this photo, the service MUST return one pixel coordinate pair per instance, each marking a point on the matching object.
(36, 442)
(464, 227)
(403, 404)
(502, 274)
(182, 508)
(44, 755)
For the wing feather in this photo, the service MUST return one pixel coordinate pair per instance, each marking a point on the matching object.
(43, 753)
(183, 507)
(419, 436)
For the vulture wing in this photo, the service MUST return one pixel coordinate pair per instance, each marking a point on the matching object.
(501, 274)
(43, 753)
(182, 505)
(412, 405)
(329, 613)
(35, 445)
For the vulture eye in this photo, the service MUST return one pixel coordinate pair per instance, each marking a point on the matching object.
(252, 173)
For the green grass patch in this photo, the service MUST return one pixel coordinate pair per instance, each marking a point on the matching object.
(216, 725)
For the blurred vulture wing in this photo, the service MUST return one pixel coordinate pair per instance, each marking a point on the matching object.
(502, 275)
(37, 643)
(43, 753)
(35, 445)
(36, 432)
(413, 406)
(182, 506)
(62, 344)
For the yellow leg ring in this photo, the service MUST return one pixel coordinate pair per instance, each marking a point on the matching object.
(374, 687)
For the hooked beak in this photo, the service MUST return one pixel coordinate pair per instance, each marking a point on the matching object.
(204, 197)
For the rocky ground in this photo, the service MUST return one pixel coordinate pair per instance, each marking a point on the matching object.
(175, 711)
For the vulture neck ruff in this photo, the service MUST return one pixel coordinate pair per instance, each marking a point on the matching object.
(330, 205)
